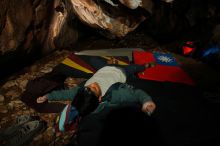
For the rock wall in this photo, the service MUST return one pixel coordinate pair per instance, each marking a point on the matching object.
(30, 29)
(29, 24)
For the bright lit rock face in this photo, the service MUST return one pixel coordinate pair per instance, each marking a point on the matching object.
(50, 25)
(96, 16)
(132, 4)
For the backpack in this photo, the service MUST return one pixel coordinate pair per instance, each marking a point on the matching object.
(68, 119)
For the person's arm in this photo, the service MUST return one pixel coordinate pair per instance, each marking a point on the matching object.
(134, 96)
(148, 106)
(67, 94)
(128, 94)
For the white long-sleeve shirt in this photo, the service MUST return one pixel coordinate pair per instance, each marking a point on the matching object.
(106, 77)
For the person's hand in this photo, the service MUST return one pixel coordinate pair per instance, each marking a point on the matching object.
(150, 64)
(148, 107)
(42, 99)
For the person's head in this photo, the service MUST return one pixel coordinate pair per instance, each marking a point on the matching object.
(95, 88)
(85, 101)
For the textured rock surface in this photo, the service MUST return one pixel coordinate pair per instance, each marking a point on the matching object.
(27, 24)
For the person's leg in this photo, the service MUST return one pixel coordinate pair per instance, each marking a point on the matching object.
(131, 70)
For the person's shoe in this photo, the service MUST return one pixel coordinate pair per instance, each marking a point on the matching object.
(19, 121)
(27, 132)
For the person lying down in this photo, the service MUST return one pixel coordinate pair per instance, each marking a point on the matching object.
(106, 88)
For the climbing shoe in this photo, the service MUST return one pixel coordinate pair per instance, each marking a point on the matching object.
(25, 134)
